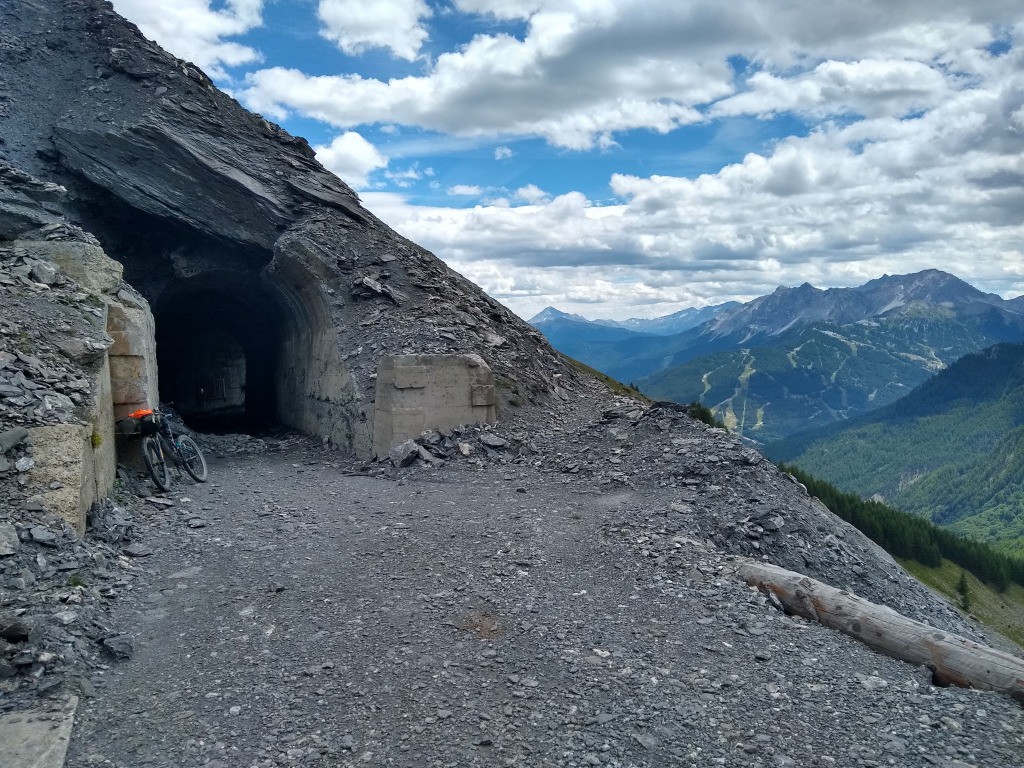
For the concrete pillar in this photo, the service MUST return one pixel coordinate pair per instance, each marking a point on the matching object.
(133, 373)
(75, 464)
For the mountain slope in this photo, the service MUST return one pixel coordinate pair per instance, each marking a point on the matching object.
(802, 358)
(932, 297)
(952, 450)
(825, 373)
(607, 344)
(581, 339)
(666, 325)
(787, 308)
(677, 322)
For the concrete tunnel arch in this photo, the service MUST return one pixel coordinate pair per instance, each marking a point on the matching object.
(238, 350)
(252, 325)
(253, 335)
(217, 345)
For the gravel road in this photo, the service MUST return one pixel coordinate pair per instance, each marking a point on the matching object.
(294, 615)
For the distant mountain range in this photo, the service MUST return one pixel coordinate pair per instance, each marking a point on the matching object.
(801, 357)
(551, 319)
(952, 450)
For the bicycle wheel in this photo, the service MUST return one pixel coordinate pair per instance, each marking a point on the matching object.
(193, 459)
(156, 465)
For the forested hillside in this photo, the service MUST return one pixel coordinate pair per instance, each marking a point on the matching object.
(911, 537)
(951, 451)
(826, 373)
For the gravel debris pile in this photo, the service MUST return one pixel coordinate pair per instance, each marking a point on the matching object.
(490, 614)
(57, 590)
(700, 482)
(50, 330)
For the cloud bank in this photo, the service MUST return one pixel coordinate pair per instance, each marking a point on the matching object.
(902, 147)
(356, 25)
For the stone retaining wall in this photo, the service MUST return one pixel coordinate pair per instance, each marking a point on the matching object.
(93, 361)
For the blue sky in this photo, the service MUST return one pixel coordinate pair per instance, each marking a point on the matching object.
(625, 158)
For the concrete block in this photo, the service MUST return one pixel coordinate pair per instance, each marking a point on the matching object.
(133, 370)
(37, 738)
(102, 440)
(419, 392)
(411, 377)
(80, 458)
(484, 394)
(129, 381)
(131, 329)
(63, 454)
(409, 422)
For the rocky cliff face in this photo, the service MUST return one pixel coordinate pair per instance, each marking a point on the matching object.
(264, 272)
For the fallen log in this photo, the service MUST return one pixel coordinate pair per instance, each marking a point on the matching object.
(953, 660)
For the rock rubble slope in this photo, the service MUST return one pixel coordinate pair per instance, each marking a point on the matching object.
(499, 610)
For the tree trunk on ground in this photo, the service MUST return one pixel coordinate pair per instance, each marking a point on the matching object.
(954, 660)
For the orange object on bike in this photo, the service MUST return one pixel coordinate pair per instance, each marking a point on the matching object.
(140, 413)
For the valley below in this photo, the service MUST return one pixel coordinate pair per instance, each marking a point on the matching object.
(821, 376)
(949, 451)
(800, 358)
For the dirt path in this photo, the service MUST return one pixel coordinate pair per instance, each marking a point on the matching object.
(484, 617)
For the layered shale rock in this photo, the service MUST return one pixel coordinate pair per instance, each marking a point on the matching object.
(276, 294)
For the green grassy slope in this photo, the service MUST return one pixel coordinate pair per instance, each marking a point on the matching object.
(952, 451)
(1001, 611)
(936, 557)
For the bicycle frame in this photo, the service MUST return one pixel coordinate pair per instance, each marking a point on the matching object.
(161, 443)
(164, 448)
(167, 442)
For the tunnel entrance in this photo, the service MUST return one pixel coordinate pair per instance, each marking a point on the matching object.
(218, 341)
(246, 336)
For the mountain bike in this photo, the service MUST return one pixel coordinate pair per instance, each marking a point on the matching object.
(160, 444)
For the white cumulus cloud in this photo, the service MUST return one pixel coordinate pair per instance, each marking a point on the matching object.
(585, 72)
(532, 194)
(868, 87)
(357, 25)
(406, 176)
(352, 158)
(842, 205)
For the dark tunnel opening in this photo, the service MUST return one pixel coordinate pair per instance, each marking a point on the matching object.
(218, 342)
(245, 337)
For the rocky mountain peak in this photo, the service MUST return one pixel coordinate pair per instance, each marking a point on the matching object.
(786, 308)
(549, 314)
(931, 286)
